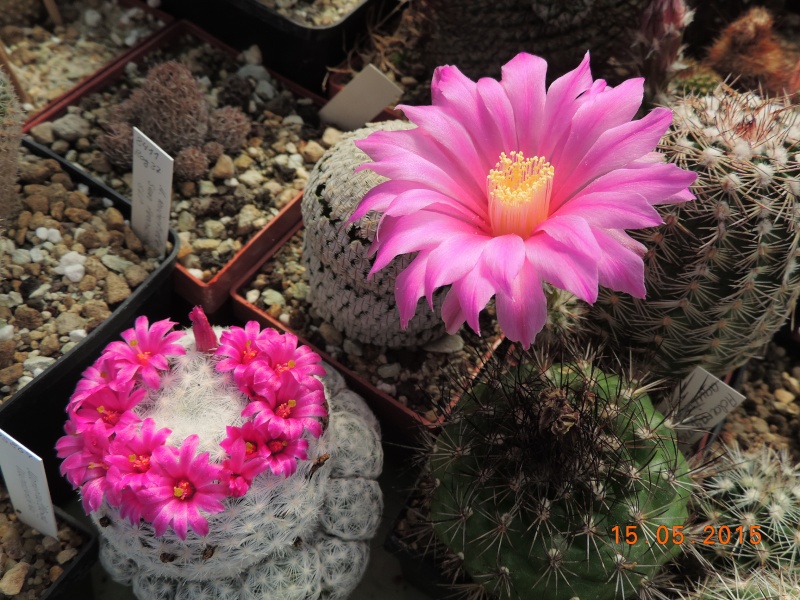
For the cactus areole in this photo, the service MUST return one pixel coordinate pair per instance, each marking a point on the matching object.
(535, 473)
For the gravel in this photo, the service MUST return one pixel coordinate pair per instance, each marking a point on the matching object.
(67, 262)
(317, 12)
(217, 215)
(49, 62)
(414, 376)
(31, 562)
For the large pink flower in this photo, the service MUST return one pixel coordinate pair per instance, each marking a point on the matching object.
(181, 483)
(504, 185)
(145, 351)
(289, 409)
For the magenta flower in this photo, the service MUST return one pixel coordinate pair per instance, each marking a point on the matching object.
(83, 465)
(128, 458)
(145, 351)
(288, 409)
(241, 347)
(181, 483)
(282, 354)
(112, 408)
(103, 373)
(241, 468)
(283, 454)
(504, 185)
(254, 439)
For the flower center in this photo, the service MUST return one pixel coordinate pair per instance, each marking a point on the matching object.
(183, 490)
(109, 417)
(248, 353)
(144, 356)
(249, 448)
(140, 463)
(282, 368)
(276, 445)
(519, 194)
(285, 409)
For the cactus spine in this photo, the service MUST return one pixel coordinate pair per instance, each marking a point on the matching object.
(10, 136)
(721, 273)
(535, 471)
(335, 253)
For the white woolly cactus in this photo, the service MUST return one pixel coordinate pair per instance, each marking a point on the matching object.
(753, 498)
(336, 252)
(224, 469)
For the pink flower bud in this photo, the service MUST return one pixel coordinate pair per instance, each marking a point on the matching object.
(204, 337)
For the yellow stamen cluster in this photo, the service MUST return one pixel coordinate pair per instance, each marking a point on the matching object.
(519, 191)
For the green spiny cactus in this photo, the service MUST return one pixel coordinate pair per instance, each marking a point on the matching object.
(755, 496)
(10, 136)
(722, 271)
(541, 473)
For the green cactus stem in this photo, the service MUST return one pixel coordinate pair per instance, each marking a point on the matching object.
(544, 470)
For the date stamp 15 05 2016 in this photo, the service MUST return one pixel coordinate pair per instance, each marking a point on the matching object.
(675, 535)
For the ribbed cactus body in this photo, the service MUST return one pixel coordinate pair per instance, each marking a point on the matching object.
(10, 136)
(335, 253)
(303, 536)
(753, 498)
(537, 469)
(722, 272)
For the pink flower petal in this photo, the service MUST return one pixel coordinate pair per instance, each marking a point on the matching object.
(613, 210)
(560, 105)
(474, 291)
(524, 82)
(560, 266)
(613, 150)
(522, 313)
(620, 266)
(410, 287)
(453, 258)
(412, 233)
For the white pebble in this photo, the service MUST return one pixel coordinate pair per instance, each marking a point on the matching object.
(232, 182)
(107, 203)
(132, 38)
(74, 272)
(71, 258)
(6, 332)
(76, 335)
(23, 381)
(284, 318)
(37, 255)
(196, 273)
(54, 236)
(92, 18)
(293, 120)
(21, 256)
(83, 188)
(41, 232)
(252, 296)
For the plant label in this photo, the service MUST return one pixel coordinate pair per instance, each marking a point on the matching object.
(152, 192)
(23, 472)
(361, 100)
(698, 403)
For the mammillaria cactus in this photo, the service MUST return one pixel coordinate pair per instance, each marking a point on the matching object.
(743, 585)
(10, 136)
(558, 481)
(336, 254)
(722, 272)
(224, 469)
(748, 507)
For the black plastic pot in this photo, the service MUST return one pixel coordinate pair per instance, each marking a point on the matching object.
(35, 415)
(75, 581)
(300, 52)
